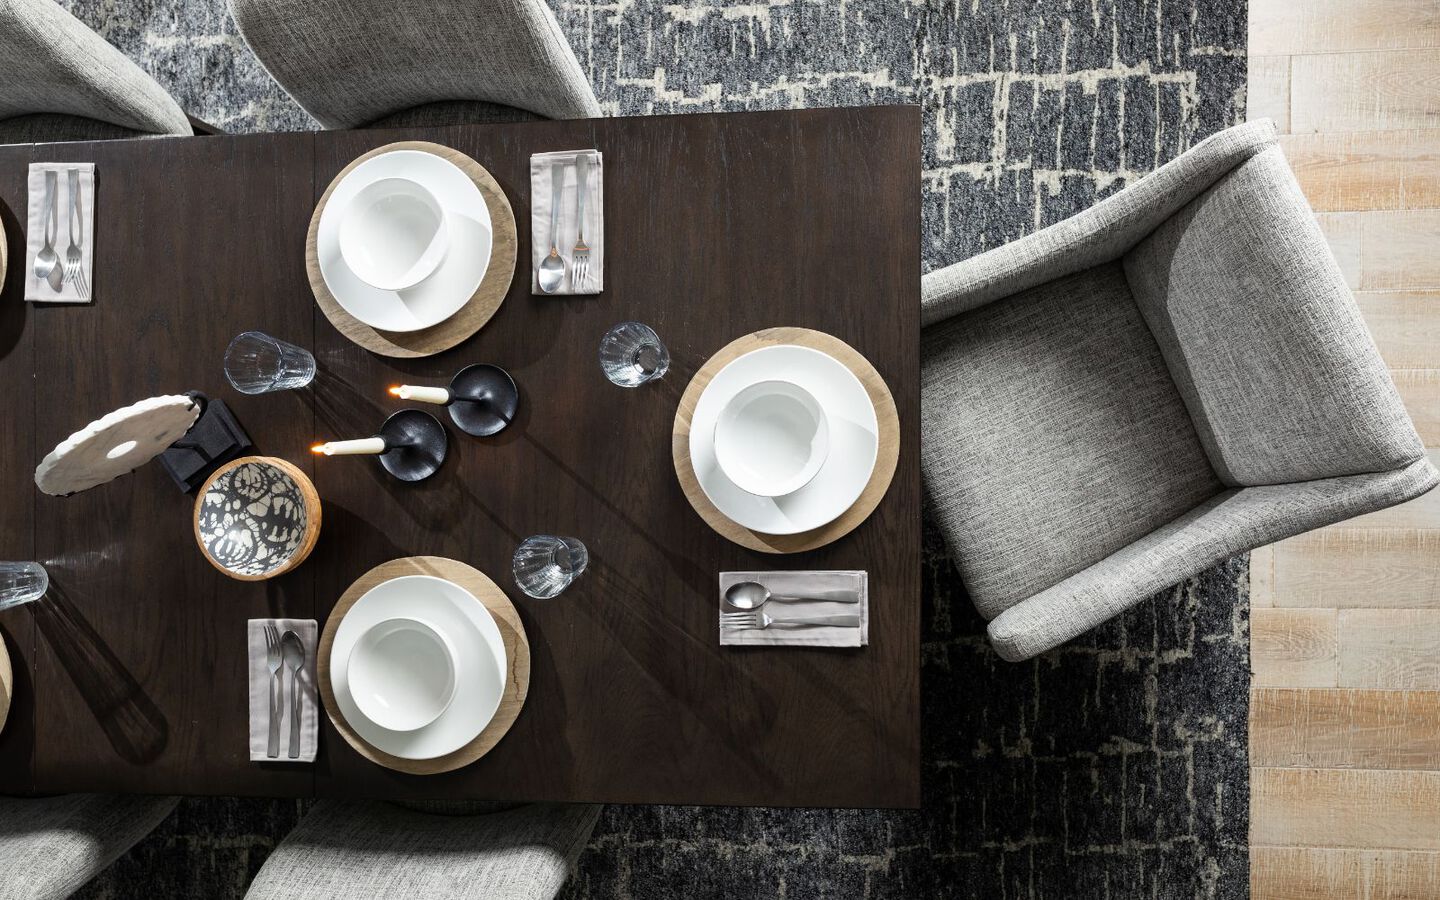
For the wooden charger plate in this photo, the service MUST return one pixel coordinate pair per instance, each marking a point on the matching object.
(7, 682)
(473, 315)
(887, 457)
(517, 652)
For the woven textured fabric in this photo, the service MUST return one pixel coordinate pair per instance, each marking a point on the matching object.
(49, 128)
(50, 846)
(1053, 435)
(1099, 234)
(52, 63)
(1089, 392)
(346, 849)
(1241, 291)
(453, 112)
(348, 62)
(1230, 523)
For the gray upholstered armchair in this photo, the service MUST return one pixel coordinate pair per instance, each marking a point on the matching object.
(63, 82)
(382, 64)
(1175, 376)
(50, 846)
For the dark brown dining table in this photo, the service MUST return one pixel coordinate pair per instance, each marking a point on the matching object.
(131, 674)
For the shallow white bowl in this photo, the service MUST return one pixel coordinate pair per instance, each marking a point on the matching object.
(402, 673)
(772, 438)
(393, 234)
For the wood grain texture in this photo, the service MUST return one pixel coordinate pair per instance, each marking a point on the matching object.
(1391, 649)
(1324, 873)
(512, 633)
(313, 514)
(1345, 808)
(1385, 250)
(1287, 27)
(632, 699)
(1420, 391)
(887, 456)
(1262, 576)
(1405, 325)
(477, 311)
(1345, 729)
(1388, 90)
(7, 682)
(1268, 91)
(1422, 513)
(1293, 647)
(1341, 567)
(1367, 170)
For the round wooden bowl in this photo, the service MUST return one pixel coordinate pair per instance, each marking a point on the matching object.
(257, 517)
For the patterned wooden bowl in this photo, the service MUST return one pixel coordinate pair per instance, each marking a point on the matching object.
(257, 517)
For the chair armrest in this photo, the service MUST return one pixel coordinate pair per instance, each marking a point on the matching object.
(1232, 522)
(1099, 234)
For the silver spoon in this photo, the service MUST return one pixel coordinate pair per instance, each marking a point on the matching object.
(47, 263)
(295, 659)
(753, 595)
(552, 267)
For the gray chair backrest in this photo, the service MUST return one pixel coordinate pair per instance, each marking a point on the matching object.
(350, 62)
(51, 63)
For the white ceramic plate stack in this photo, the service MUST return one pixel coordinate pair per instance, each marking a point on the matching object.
(404, 241)
(418, 667)
(784, 439)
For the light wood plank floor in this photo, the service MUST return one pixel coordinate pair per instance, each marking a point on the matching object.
(1345, 649)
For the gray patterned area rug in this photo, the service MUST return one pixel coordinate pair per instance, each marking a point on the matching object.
(1115, 767)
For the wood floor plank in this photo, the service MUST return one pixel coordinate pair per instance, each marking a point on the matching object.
(1344, 729)
(1389, 649)
(1361, 808)
(1262, 576)
(1326, 873)
(1405, 325)
(1268, 90)
(1341, 567)
(1367, 169)
(1420, 389)
(1422, 512)
(1294, 647)
(1285, 26)
(1385, 250)
(1375, 91)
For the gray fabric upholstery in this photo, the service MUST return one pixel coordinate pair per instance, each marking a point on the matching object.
(349, 62)
(357, 848)
(52, 63)
(1175, 376)
(50, 846)
(453, 112)
(49, 128)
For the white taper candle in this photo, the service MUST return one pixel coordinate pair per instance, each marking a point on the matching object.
(349, 448)
(422, 394)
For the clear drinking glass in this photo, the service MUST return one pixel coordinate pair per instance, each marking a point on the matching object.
(632, 354)
(21, 582)
(545, 565)
(256, 363)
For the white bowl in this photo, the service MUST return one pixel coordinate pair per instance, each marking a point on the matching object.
(402, 673)
(771, 438)
(393, 234)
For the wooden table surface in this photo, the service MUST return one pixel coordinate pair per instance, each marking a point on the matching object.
(130, 675)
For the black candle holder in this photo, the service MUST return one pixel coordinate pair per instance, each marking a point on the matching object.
(483, 399)
(415, 445)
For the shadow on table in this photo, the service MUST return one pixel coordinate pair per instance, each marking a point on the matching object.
(131, 721)
(13, 312)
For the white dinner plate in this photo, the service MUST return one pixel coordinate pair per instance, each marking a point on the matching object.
(446, 290)
(480, 663)
(854, 440)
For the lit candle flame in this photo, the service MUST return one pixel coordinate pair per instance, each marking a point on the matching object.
(318, 448)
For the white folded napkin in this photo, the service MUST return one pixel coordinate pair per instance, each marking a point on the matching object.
(802, 584)
(541, 190)
(260, 693)
(36, 290)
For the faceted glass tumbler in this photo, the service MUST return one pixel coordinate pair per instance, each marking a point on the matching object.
(545, 565)
(22, 582)
(632, 354)
(256, 363)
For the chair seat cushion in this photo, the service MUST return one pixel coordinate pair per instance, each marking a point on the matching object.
(53, 128)
(50, 846)
(1054, 435)
(360, 848)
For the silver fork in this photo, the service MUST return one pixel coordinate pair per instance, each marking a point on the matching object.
(274, 659)
(580, 259)
(736, 620)
(74, 271)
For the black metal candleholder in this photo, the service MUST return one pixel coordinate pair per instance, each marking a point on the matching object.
(483, 399)
(415, 445)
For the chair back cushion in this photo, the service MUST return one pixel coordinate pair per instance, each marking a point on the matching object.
(1260, 333)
